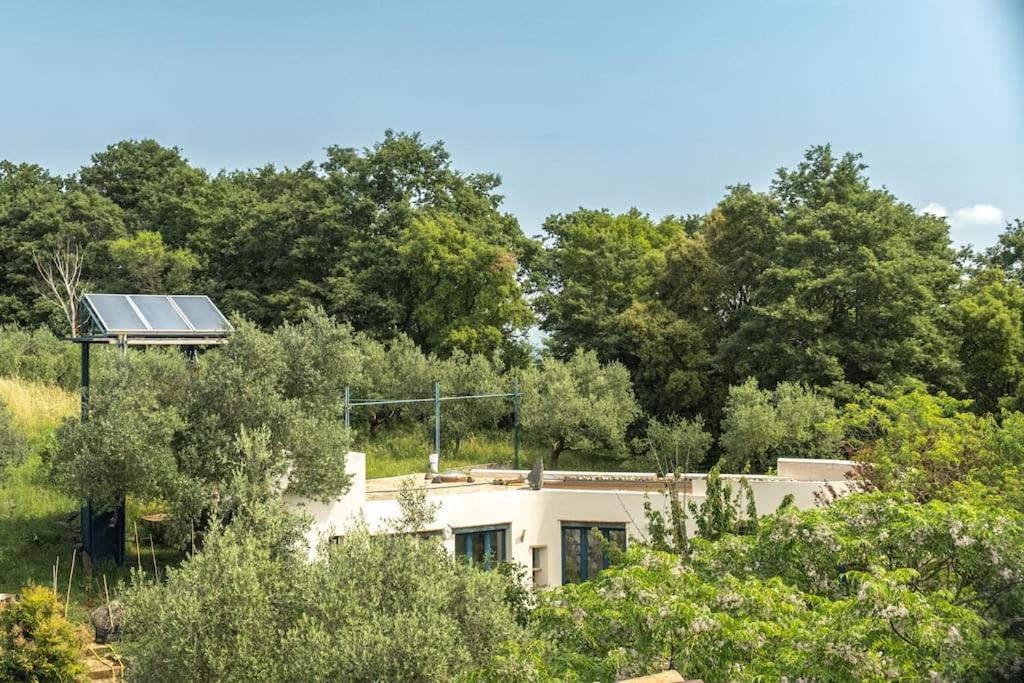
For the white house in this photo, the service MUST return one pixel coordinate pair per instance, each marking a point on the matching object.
(496, 514)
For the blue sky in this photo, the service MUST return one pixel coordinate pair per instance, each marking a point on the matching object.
(657, 105)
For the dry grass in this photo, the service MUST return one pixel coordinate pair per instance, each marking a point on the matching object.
(37, 408)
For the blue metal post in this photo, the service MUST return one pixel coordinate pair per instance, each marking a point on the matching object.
(437, 422)
(348, 409)
(515, 423)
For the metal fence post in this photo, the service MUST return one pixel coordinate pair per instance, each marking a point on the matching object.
(437, 421)
(348, 409)
(515, 423)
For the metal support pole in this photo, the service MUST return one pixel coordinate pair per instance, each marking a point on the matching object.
(437, 419)
(515, 423)
(348, 409)
(85, 382)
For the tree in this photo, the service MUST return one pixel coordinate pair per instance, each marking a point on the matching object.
(396, 369)
(841, 295)
(990, 314)
(869, 588)
(1007, 253)
(155, 187)
(143, 264)
(246, 387)
(125, 448)
(465, 289)
(760, 426)
(40, 214)
(388, 607)
(577, 404)
(593, 267)
(466, 375)
(675, 447)
(60, 278)
(932, 446)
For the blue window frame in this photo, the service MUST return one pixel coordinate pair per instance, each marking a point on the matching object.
(583, 555)
(482, 546)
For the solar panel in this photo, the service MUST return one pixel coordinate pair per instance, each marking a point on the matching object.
(201, 312)
(155, 315)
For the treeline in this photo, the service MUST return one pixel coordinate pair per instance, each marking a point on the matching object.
(822, 279)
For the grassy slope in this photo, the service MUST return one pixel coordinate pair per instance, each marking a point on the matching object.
(34, 515)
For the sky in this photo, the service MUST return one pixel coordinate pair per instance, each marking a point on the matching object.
(658, 105)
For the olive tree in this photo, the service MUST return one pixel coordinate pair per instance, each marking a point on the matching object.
(760, 426)
(578, 404)
(126, 446)
(367, 608)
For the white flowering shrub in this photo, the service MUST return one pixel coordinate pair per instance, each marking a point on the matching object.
(872, 587)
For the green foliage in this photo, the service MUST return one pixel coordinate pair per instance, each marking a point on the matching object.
(577, 404)
(389, 607)
(125, 447)
(465, 375)
(991, 318)
(594, 266)
(760, 426)
(38, 356)
(464, 287)
(932, 446)
(843, 283)
(37, 643)
(870, 588)
(676, 445)
(720, 513)
(143, 264)
(13, 446)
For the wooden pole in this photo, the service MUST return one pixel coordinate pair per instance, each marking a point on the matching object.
(67, 600)
(138, 546)
(152, 550)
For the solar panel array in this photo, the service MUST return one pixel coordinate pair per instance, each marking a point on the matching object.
(156, 315)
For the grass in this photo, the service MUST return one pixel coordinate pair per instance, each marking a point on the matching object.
(37, 408)
(38, 522)
(404, 450)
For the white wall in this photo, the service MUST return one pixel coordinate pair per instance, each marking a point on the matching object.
(534, 518)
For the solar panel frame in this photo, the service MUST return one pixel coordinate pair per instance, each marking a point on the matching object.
(215, 324)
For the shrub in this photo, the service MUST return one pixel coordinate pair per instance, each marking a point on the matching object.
(38, 356)
(391, 607)
(36, 642)
(13, 447)
(761, 426)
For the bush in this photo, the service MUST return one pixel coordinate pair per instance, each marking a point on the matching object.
(36, 642)
(368, 608)
(13, 446)
(37, 355)
(761, 426)
(870, 588)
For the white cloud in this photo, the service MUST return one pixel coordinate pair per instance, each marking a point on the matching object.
(977, 216)
(937, 210)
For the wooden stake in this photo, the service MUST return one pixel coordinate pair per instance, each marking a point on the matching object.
(138, 546)
(67, 600)
(110, 615)
(152, 550)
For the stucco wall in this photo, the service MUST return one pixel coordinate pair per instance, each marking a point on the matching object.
(534, 518)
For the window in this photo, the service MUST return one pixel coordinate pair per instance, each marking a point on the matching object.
(483, 546)
(583, 555)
